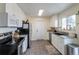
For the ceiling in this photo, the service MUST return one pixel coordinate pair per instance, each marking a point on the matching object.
(32, 9)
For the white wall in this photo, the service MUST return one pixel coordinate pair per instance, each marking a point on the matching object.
(70, 11)
(32, 21)
(2, 7)
(12, 8)
(4, 30)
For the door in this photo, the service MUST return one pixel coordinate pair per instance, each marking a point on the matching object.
(39, 30)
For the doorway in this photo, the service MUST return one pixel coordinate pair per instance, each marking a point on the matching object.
(38, 29)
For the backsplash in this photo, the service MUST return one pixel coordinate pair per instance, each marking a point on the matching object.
(4, 30)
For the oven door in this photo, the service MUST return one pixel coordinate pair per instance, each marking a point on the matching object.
(22, 46)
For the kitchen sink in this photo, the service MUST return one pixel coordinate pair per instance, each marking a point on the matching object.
(60, 33)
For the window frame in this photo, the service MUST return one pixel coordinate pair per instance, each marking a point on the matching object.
(67, 24)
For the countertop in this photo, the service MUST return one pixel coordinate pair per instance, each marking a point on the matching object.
(68, 39)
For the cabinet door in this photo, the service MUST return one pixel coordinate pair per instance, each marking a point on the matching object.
(3, 19)
(19, 22)
(58, 42)
(54, 41)
(60, 45)
(12, 20)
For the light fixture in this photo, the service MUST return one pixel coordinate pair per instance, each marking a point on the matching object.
(40, 12)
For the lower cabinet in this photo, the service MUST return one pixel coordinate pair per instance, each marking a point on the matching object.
(58, 42)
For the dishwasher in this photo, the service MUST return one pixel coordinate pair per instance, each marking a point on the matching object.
(72, 49)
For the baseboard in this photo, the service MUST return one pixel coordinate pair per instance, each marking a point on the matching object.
(38, 39)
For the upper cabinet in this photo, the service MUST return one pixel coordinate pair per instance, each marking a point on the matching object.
(11, 15)
(8, 20)
(19, 23)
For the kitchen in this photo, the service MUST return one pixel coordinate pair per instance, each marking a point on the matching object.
(51, 26)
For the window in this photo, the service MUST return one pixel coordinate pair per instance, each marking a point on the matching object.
(69, 22)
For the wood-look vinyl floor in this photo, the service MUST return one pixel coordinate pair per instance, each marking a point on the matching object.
(41, 47)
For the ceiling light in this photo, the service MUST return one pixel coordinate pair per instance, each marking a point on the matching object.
(40, 12)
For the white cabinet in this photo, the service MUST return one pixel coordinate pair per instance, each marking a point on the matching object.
(19, 21)
(58, 42)
(8, 20)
